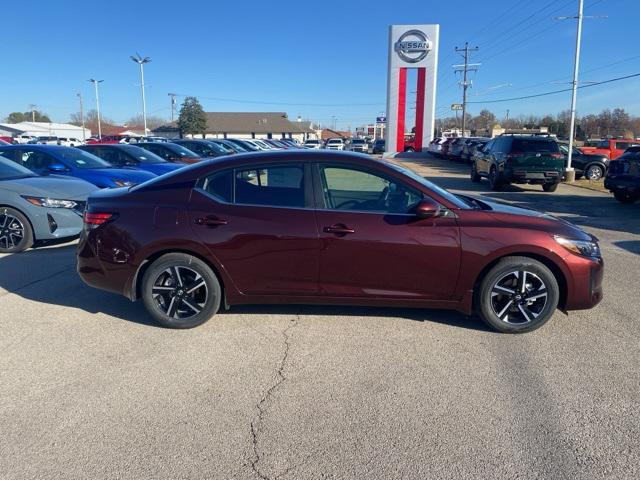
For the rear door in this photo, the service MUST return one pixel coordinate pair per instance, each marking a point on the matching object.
(373, 246)
(257, 221)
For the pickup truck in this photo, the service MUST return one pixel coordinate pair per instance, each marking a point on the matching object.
(612, 147)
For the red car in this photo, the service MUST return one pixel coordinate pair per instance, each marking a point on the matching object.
(612, 147)
(336, 228)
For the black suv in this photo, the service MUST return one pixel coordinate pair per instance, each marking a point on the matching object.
(520, 159)
(591, 166)
(623, 177)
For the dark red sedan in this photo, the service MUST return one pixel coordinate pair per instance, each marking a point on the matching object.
(323, 227)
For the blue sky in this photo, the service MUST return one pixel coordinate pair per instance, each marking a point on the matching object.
(314, 59)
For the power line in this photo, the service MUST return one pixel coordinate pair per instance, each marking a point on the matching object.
(544, 94)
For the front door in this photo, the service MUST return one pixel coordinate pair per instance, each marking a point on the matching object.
(255, 222)
(373, 246)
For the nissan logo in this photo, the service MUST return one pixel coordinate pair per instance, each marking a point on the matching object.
(413, 46)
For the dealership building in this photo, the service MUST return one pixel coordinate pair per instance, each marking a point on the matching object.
(43, 129)
(246, 125)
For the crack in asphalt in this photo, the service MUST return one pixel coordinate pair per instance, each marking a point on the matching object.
(260, 406)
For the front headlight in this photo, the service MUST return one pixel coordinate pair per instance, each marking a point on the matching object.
(123, 183)
(583, 248)
(50, 202)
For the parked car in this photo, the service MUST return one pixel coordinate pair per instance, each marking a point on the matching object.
(47, 140)
(275, 144)
(3, 142)
(435, 146)
(227, 147)
(611, 147)
(358, 145)
(35, 210)
(623, 177)
(444, 149)
(593, 167)
(408, 243)
(69, 141)
(202, 148)
(23, 139)
(378, 146)
(470, 146)
(455, 148)
(121, 156)
(171, 152)
(249, 147)
(73, 162)
(313, 143)
(409, 144)
(520, 159)
(334, 144)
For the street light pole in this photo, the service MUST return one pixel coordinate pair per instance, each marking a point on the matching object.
(141, 61)
(82, 117)
(570, 172)
(95, 84)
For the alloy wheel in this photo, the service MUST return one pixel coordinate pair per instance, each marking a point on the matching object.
(180, 292)
(11, 231)
(594, 172)
(519, 297)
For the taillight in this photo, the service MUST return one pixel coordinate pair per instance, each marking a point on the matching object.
(557, 155)
(514, 154)
(93, 220)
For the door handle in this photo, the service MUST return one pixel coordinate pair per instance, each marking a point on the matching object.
(338, 229)
(210, 221)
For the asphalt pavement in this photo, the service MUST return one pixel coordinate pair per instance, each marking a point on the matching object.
(90, 387)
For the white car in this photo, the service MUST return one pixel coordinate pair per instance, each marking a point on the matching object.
(311, 143)
(69, 142)
(24, 138)
(47, 140)
(435, 145)
(334, 144)
(358, 145)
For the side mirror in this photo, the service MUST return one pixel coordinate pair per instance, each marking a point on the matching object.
(57, 168)
(427, 208)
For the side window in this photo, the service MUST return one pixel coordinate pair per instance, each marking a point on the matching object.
(489, 146)
(219, 185)
(280, 186)
(622, 145)
(356, 190)
(36, 161)
(158, 151)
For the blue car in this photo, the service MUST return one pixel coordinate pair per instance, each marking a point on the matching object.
(118, 155)
(69, 161)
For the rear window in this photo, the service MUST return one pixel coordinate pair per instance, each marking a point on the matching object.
(530, 145)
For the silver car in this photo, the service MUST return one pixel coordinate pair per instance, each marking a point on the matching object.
(38, 209)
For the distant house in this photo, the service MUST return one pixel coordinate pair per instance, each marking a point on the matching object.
(246, 124)
(328, 133)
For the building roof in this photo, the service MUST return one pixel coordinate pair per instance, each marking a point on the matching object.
(328, 133)
(44, 127)
(247, 123)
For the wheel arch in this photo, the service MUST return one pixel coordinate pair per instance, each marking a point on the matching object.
(136, 283)
(598, 163)
(546, 261)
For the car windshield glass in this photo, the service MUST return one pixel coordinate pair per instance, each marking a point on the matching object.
(357, 142)
(458, 202)
(81, 159)
(524, 145)
(9, 170)
(142, 155)
(180, 150)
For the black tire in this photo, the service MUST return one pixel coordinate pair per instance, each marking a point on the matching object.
(165, 288)
(494, 180)
(550, 187)
(475, 177)
(504, 311)
(624, 197)
(409, 150)
(594, 172)
(16, 233)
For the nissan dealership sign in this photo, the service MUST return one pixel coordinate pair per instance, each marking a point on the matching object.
(413, 46)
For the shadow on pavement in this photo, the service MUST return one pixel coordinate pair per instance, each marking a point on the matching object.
(48, 275)
(632, 246)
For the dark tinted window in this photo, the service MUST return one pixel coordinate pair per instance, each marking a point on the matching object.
(534, 145)
(220, 185)
(280, 186)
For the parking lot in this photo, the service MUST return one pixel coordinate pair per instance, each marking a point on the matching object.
(91, 387)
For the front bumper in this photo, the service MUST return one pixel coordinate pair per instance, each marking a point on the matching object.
(622, 185)
(55, 223)
(586, 275)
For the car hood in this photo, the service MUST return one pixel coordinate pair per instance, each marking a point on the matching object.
(52, 187)
(520, 217)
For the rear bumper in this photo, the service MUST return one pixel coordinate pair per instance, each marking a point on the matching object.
(540, 177)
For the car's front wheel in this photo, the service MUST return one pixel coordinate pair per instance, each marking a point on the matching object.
(519, 294)
(494, 179)
(181, 291)
(16, 233)
(624, 197)
(550, 187)
(475, 177)
(594, 172)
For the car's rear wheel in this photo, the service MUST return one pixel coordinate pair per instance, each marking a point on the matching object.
(494, 179)
(181, 291)
(475, 177)
(519, 294)
(550, 187)
(16, 233)
(624, 197)
(409, 149)
(594, 172)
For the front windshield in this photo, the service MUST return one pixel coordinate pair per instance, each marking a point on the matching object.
(357, 142)
(142, 155)
(81, 159)
(180, 150)
(9, 170)
(454, 199)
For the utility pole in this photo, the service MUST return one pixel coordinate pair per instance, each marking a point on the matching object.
(173, 105)
(95, 84)
(506, 118)
(32, 107)
(82, 117)
(465, 68)
(137, 58)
